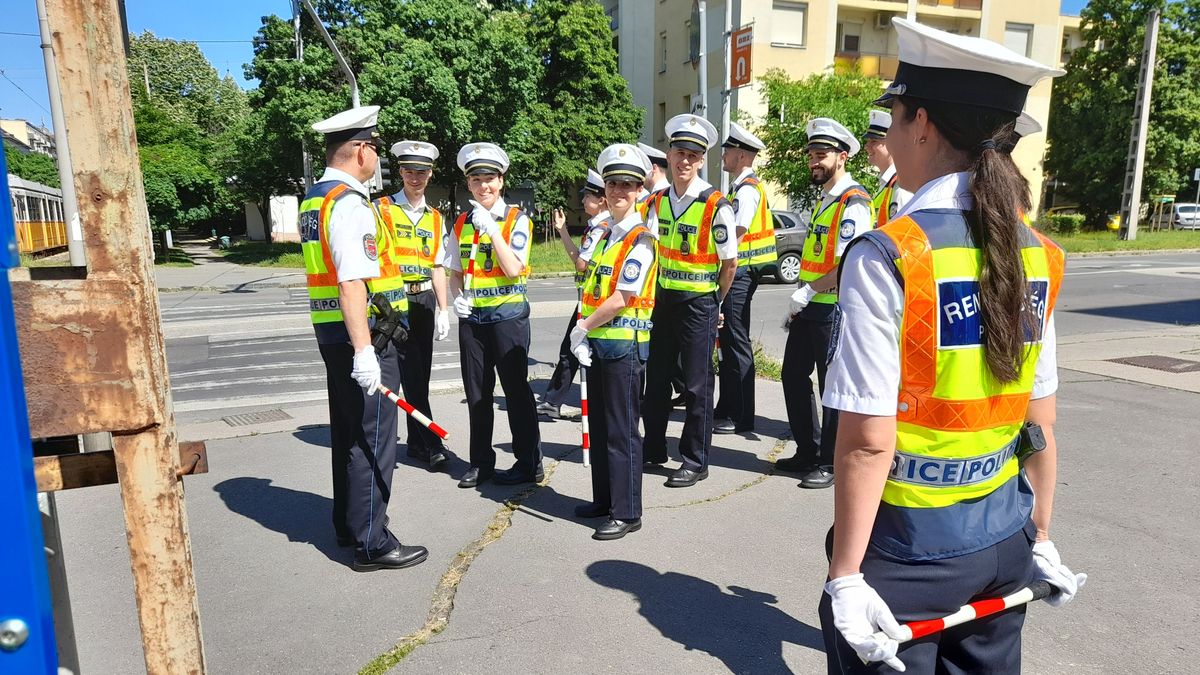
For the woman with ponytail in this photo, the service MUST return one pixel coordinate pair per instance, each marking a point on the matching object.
(943, 368)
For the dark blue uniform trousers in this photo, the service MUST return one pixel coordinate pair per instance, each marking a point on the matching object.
(737, 354)
(362, 432)
(930, 589)
(685, 329)
(808, 347)
(614, 411)
(488, 350)
(416, 367)
(564, 370)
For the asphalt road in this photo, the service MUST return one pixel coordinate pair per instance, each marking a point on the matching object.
(245, 350)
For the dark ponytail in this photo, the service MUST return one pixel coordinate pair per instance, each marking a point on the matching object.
(1001, 195)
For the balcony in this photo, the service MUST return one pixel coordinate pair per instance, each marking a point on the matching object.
(882, 66)
(953, 4)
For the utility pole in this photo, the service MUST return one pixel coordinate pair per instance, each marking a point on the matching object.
(703, 14)
(727, 91)
(1131, 201)
(307, 159)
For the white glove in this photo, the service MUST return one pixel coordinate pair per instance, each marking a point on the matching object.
(800, 298)
(1050, 568)
(441, 324)
(462, 309)
(578, 336)
(483, 221)
(858, 613)
(366, 369)
(583, 352)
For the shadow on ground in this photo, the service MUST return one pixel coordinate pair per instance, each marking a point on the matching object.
(302, 516)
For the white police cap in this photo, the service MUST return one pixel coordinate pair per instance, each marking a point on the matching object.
(826, 133)
(940, 66)
(1026, 125)
(355, 124)
(476, 158)
(878, 124)
(656, 156)
(594, 184)
(415, 154)
(742, 139)
(622, 161)
(691, 132)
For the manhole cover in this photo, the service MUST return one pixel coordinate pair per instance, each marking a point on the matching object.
(1167, 364)
(260, 417)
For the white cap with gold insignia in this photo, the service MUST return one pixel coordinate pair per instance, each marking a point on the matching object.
(476, 158)
(622, 161)
(415, 154)
(656, 156)
(594, 184)
(878, 123)
(827, 133)
(355, 124)
(740, 138)
(691, 132)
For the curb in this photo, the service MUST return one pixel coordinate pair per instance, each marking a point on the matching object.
(1113, 254)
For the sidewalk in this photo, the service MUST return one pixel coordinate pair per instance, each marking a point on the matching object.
(212, 272)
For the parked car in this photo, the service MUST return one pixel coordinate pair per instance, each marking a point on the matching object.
(790, 230)
(1186, 217)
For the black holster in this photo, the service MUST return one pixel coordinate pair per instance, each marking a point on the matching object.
(389, 325)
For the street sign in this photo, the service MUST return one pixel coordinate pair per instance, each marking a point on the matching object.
(694, 36)
(739, 62)
(1197, 176)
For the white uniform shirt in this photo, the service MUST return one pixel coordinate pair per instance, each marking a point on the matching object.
(519, 241)
(723, 220)
(857, 214)
(352, 231)
(900, 196)
(592, 235)
(447, 251)
(745, 203)
(639, 259)
(661, 185)
(864, 373)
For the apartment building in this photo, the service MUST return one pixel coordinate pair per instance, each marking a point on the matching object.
(32, 137)
(809, 36)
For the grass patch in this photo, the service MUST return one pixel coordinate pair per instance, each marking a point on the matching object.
(264, 254)
(766, 366)
(1086, 242)
(56, 260)
(175, 257)
(547, 257)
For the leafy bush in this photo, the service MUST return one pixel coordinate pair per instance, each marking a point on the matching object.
(1064, 223)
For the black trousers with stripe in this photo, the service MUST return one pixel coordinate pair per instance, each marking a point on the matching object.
(614, 410)
(416, 368)
(737, 353)
(807, 348)
(499, 349)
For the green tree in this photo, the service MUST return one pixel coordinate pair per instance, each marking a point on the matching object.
(845, 97)
(1091, 110)
(183, 84)
(32, 166)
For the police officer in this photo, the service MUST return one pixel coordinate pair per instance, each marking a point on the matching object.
(756, 248)
(612, 341)
(657, 178)
(890, 197)
(697, 258)
(932, 414)
(592, 196)
(843, 213)
(349, 254)
(423, 256)
(493, 312)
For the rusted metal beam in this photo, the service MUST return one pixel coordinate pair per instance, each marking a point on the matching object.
(85, 469)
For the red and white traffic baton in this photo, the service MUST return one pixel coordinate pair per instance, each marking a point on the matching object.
(914, 630)
(583, 406)
(415, 414)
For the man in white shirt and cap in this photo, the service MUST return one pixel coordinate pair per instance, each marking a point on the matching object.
(843, 213)
(697, 258)
(422, 257)
(493, 313)
(349, 256)
(657, 178)
(756, 250)
(889, 197)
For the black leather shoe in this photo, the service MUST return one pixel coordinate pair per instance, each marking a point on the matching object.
(554, 412)
(438, 459)
(475, 476)
(685, 477)
(397, 559)
(515, 476)
(820, 477)
(591, 510)
(724, 426)
(615, 529)
(795, 464)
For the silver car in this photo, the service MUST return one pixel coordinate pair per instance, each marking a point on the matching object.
(1186, 217)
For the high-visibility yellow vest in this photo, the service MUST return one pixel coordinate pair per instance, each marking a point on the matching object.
(687, 247)
(417, 243)
(954, 485)
(630, 327)
(323, 299)
(820, 245)
(757, 247)
(643, 204)
(603, 226)
(882, 203)
(493, 296)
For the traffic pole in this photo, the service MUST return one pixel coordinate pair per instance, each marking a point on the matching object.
(915, 630)
(415, 414)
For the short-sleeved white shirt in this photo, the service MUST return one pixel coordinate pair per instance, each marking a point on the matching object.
(415, 212)
(864, 371)
(593, 233)
(519, 241)
(638, 261)
(745, 203)
(900, 196)
(351, 230)
(724, 218)
(858, 213)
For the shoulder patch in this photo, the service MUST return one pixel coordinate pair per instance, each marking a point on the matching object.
(369, 247)
(631, 271)
(846, 231)
(518, 240)
(720, 234)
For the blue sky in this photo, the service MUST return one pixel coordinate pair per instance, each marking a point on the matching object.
(213, 20)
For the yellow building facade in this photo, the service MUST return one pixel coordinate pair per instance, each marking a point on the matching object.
(803, 37)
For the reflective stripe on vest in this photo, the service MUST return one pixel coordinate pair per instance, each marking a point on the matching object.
(882, 203)
(757, 247)
(580, 277)
(819, 256)
(490, 289)
(687, 252)
(632, 323)
(954, 485)
(323, 296)
(418, 244)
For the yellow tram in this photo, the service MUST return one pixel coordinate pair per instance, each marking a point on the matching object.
(37, 216)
